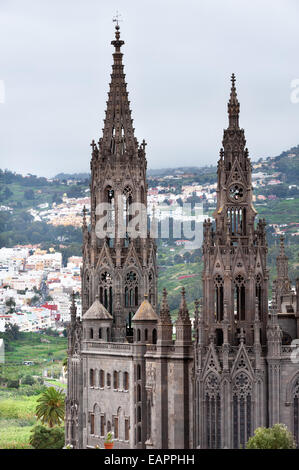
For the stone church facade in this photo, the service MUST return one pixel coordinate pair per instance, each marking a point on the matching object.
(231, 371)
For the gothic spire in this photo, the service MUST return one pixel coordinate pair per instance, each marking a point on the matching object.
(73, 308)
(183, 311)
(165, 323)
(281, 249)
(165, 317)
(118, 132)
(233, 106)
(183, 323)
(282, 261)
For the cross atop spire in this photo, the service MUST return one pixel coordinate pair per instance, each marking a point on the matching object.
(233, 106)
(117, 43)
(117, 18)
(118, 133)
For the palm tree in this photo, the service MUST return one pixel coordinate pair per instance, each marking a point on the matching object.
(50, 408)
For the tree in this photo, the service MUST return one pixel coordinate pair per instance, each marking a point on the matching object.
(50, 408)
(29, 194)
(28, 380)
(277, 437)
(44, 438)
(51, 332)
(12, 332)
(187, 256)
(13, 384)
(11, 304)
(178, 259)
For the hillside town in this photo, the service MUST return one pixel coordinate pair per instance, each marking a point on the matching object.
(35, 288)
(167, 193)
(35, 283)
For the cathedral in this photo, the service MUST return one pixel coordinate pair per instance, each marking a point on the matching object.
(220, 376)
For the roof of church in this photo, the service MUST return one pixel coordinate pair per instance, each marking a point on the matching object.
(145, 312)
(97, 311)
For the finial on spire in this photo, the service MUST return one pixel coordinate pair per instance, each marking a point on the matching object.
(183, 311)
(117, 43)
(164, 311)
(233, 106)
(233, 80)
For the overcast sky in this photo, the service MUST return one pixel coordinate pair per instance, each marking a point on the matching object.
(55, 64)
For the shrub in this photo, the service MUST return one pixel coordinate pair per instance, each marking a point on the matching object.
(277, 437)
(47, 438)
(28, 380)
(13, 384)
(30, 390)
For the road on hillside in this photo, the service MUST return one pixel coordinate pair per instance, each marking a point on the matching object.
(50, 384)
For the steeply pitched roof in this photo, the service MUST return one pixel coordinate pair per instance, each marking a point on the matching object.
(97, 311)
(145, 312)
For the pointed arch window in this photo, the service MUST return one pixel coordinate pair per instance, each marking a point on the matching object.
(127, 201)
(242, 410)
(126, 380)
(129, 329)
(102, 378)
(115, 380)
(110, 224)
(239, 297)
(112, 145)
(237, 220)
(91, 378)
(219, 305)
(131, 290)
(105, 289)
(212, 411)
(123, 140)
(154, 336)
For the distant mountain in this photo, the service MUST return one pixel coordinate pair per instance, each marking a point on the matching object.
(72, 176)
(181, 171)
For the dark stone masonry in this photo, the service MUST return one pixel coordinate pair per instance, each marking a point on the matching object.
(210, 388)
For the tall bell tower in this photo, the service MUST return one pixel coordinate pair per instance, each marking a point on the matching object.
(119, 256)
(235, 276)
